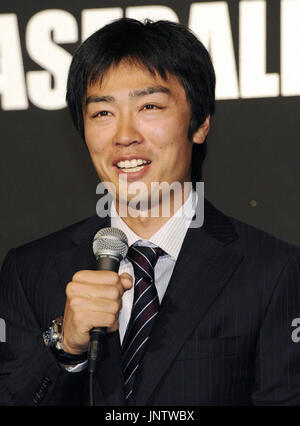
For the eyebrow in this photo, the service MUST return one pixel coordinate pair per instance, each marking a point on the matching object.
(94, 98)
(149, 91)
(135, 93)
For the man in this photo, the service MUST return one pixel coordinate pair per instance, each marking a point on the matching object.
(223, 296)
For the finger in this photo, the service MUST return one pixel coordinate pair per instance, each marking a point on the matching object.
(126, 280)
(96, 277)
(89, 320)
(91, 305)
(114, 327)
(94, 291)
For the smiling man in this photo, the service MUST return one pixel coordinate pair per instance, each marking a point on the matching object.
(195, 315)
(136, 124)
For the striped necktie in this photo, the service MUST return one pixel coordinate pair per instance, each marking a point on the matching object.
(143, 313)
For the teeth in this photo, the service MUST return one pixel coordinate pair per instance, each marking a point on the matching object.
(131, 164)
(133, 169)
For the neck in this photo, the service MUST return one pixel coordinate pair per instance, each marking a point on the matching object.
(147, 222)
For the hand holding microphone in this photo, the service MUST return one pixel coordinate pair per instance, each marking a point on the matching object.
(94, 298)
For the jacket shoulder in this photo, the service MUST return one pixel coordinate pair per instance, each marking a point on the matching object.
(262, 245)
(48, 246)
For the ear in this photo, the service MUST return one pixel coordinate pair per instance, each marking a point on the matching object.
(200, 135)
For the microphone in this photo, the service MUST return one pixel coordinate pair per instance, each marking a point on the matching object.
(110, 246)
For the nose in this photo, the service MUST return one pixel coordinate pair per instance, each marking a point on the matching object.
(127, 131)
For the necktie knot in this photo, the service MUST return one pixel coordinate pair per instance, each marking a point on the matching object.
(144, 260)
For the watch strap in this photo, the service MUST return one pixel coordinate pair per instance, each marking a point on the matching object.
(67, 358)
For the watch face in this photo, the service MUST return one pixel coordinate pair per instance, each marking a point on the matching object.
(48, 336)
(53, 335)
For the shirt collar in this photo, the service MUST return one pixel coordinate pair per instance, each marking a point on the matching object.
(171, 235)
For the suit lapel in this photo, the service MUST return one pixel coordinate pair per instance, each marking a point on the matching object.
(206, 261)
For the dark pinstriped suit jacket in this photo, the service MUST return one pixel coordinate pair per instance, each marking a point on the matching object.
(222, 336)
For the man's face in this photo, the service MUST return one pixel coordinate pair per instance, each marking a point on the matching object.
(134, 115)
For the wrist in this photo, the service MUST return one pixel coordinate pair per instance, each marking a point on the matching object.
(66, 347)
(67, 358)
(53, 339)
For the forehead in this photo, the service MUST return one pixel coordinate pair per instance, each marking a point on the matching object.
(135, 79)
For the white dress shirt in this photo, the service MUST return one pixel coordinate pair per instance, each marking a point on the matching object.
(170, 238)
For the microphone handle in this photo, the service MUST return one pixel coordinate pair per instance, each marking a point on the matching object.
(103, 263)
(108, 263)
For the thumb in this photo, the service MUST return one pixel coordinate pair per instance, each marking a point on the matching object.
(126, 280)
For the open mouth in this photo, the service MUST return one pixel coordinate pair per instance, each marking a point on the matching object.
(134, 165)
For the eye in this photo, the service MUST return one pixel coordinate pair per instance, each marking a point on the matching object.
(101, 114)
(151, 107)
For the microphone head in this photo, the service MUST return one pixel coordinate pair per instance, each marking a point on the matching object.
(110, 242)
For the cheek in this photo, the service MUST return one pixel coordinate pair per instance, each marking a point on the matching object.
(155, 132)
(95, 144)
(169, 130)
(162, 136)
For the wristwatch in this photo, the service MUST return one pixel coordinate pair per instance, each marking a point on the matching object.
(53, 338)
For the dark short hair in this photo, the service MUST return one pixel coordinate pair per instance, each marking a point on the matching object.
(161, 47)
